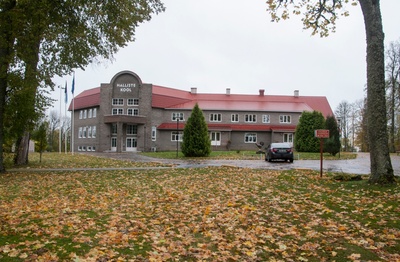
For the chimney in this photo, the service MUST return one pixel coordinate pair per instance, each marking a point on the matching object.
(262, 92)
(193, 90)
(296, 93)
(228, 91)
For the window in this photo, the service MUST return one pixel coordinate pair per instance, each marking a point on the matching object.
(90, 113)
(117, 111)
(176, 136)
(94, 112)
(215, 117)
(250, 118)
(81, 114)
(80, 132)
(132, 112)
(89, 148)
(153, 133)
(235, 118)
(215, 138)
(285, 119)
(93, 148)
(177, 116)
(114, 129)
(89, 132)
(133, 101)
(131, 130)
(93, 132)
(265, 119)
(79, 148)
(118, 102)
(288, 137)
(250, 138)
(85, 114)
(84, 132)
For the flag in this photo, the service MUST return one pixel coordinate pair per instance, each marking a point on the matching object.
(66, 93)
(73, 85)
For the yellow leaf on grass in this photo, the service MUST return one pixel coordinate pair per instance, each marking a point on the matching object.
(23, 255)
(207, 210)
(354, 256)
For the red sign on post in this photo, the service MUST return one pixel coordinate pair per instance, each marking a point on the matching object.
(322, 133)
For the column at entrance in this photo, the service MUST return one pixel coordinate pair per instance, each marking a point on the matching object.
(119, 137)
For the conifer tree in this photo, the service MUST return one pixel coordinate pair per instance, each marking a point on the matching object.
(196, 140)
(305, 140)
(332, 144)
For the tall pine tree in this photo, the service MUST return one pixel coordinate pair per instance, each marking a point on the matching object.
(196, 140)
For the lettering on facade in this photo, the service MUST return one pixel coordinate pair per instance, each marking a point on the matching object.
(126, 87)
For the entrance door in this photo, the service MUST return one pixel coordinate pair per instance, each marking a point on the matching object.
(113, 144)
(215, 138)
(131, 144)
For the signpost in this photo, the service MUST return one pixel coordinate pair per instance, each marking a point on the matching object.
(321, 134)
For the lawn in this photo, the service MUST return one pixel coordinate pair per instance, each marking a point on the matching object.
(252, 155)
(208, 214)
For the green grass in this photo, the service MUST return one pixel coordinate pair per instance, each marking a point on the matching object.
(209, 214)
(77, 160)
(250, 155)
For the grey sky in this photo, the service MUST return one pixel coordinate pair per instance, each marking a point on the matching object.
(215, 44)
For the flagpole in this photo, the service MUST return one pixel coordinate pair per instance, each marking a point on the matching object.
(72, 130)
(66, 133)
(59, 133)
(72, 114)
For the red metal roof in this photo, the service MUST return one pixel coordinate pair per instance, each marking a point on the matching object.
(175, 99)
(169, 98)
(232, 127)
(88, 98)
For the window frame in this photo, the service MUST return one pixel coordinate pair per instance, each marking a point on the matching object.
(175, 134)
(153, 133)
(250, 138)
(215, 117)
(118, 110)
(268, 119)
(286, 136)
(285, 119)
(234, 118)
(117, 102)
(176, 115)
(131, 130)
(250, 118)
(132, 102)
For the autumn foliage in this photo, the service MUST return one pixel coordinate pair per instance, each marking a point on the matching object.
(202, 214)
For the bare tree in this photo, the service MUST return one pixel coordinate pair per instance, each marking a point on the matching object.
(344, 112)
(65, 129)
(393, 89)
(54, 123)
(360, 128)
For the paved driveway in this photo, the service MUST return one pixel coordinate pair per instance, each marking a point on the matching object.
(360, 165)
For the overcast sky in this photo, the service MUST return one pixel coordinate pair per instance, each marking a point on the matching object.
(216, 44)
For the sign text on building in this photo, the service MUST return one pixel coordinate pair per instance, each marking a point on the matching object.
(126, 87)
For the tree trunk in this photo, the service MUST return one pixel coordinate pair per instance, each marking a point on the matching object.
(31, 83)
(6, 42)
(381, 166)
(21, 157)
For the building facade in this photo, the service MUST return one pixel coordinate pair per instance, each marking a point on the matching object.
(127, 115)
